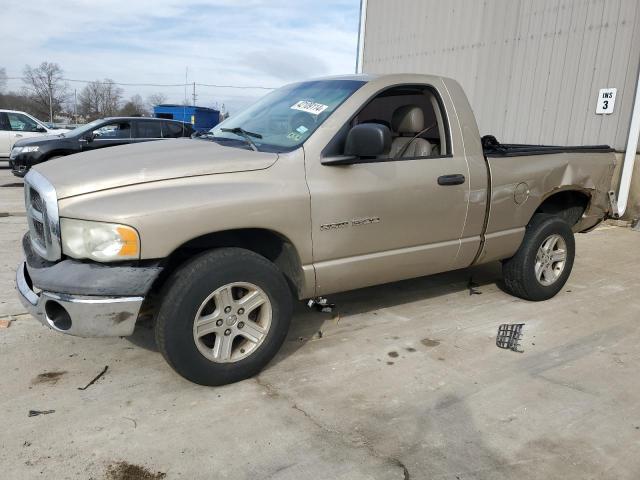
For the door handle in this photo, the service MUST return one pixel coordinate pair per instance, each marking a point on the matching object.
(455, 179)
(18, 135)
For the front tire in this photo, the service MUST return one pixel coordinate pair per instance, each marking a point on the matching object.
(543, 263)
(223, 316)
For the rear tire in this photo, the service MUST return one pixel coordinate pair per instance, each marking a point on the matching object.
(543, 263)
(201, 328)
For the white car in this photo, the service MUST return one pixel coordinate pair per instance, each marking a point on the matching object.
(16, 125)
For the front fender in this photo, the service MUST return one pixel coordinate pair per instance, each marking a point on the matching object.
(169, 213)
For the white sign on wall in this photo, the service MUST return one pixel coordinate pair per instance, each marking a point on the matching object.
(606, 101)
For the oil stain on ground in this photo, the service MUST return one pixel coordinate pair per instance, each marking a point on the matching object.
(48, 377)
(393, 354)
(428, 342)
(128, 471)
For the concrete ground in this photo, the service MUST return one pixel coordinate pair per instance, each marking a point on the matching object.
(405, 381)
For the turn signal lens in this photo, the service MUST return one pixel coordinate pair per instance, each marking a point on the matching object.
(129, 238)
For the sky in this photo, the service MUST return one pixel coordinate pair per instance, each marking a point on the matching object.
(222, 42)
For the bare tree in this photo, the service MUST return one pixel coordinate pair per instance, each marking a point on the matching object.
(46, 87)
(111, 97)
(17, 101)
(156, 99)
(134, 107)
(3, 79)
(100, 99)
(90, 101)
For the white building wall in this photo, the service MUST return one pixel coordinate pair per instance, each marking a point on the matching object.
(531, 68)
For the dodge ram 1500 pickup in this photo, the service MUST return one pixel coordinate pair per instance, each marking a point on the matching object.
(321, 186)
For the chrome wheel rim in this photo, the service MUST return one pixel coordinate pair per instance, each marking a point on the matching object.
(232, 322)
(551, 260)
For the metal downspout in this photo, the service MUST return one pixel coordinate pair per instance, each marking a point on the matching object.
(630, 155)
(361, 31)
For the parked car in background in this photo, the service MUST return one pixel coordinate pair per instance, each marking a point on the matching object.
(107, 132)
(14, 126)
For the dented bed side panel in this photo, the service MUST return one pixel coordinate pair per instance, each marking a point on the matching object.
(520, 184)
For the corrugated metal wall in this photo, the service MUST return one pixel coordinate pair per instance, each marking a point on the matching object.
(531, 68)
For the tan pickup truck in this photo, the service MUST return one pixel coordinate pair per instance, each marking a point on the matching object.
(320, 187)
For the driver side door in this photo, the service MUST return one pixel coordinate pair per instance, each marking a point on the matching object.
(23, 127)
(381, 220)
(109, 135)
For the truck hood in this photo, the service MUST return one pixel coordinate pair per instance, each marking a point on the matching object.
(153, 161)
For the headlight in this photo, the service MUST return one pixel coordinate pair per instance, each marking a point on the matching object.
(98, 241)
(17, 150)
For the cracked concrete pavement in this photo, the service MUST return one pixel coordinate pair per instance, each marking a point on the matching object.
(404, 382)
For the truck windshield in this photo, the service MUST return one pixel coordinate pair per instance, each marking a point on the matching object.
(285, 118)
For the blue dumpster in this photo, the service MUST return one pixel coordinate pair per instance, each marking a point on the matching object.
(201, 118)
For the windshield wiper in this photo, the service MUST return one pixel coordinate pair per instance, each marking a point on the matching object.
(244, 134)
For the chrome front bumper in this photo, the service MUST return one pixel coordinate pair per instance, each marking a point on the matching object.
(82, 316)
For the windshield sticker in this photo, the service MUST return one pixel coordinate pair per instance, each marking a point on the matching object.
(310, 107)
(294, 136)
(302, 129)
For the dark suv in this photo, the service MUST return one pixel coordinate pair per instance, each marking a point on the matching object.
(106, 132)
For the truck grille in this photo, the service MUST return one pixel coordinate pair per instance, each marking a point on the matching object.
(38, 230)
(41, 204)
(36, 200)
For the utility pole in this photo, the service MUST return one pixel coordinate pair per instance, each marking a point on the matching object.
(75, 106)
(194, 94)
(186, 74)
(50, 106)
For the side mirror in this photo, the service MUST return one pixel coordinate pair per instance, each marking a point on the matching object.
(368, 140)
(40, 129)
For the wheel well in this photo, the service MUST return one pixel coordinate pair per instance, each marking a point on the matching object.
(568, 204)
(267, 243)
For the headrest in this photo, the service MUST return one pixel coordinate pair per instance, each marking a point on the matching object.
(408, 119)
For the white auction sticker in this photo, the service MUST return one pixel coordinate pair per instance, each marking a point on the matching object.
(310, 107)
